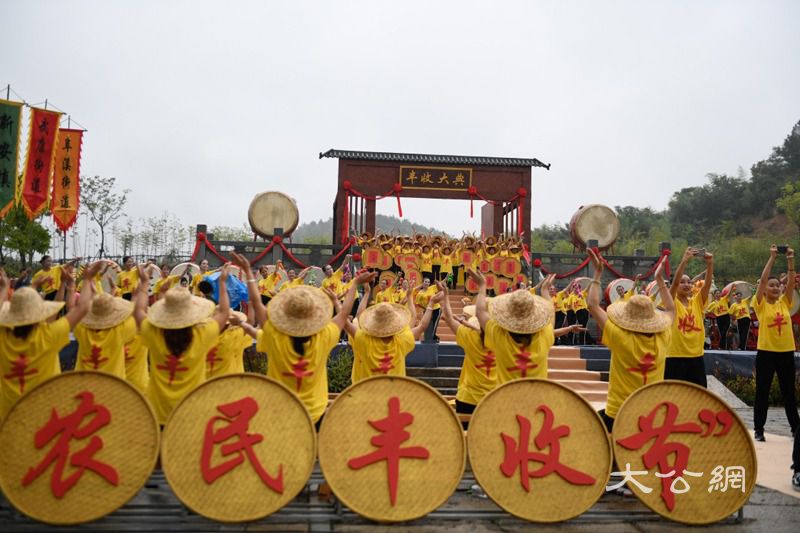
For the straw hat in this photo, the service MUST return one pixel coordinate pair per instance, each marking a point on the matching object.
(384, 319)
(300, 311)
(27, 307)
(179, 309)
(242, 317)
(521, 311)
(469, 310)
(107, 312)
(474, 323)
(490, 240)
(638, 314)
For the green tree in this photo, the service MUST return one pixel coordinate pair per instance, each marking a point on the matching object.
(24, 236)
(789, 202)
(103, 204)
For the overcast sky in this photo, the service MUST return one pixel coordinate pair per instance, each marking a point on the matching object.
(197, 106)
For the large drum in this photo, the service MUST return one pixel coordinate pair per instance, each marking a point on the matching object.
(612, 294)
(594, 222)
(270, 210)
(652, 291)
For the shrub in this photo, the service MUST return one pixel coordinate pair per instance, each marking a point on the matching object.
(255, 361)
(340, 364)
(745, 389)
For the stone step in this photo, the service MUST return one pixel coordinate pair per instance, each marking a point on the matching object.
(421, 372)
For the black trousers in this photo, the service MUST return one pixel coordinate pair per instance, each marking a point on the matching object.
(796, 452)
(437, 269)
(767, 364)
(430, 331)
(582, 315)
(571, 319)
(743, 327)
(561, 316)
(455, 277)
(691, 369)
(723, 323)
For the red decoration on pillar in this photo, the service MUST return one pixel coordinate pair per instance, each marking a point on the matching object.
(277, 239)
(398, 188)
(472, 191)
(537, 263)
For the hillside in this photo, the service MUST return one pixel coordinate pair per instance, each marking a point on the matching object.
(321, 231)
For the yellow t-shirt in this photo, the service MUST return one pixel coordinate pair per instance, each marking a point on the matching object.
(161, 281)
(127, 280)
(399, 295)
(447, 264)
(136, 371)
(51, 280)
(26, 363)
(774, 325)
(343, 288)
(719, 307)
(578, 300)
(636, 360)
(227, 356)
(561, 301)
(333, 281)
(688, 335)
(306, 375)
(515, 361)
(385, 295)
(425, 262)
(424, 296)
(104, 349)
(739, 311)
(478, 374)
(380, 358)
(296, 282)
(174, 376)
(266, 286)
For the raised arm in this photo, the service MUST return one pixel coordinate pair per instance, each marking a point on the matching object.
(223, 311)
(790, 282)
(451, 322)
(709, 276)
(481, 306)
(546, 283)
(593, 298)
(762, 282)
(140, 295)
(364, 301)
(341, 317)
(259, 310)
(676, 278)
(4, 284)
(77, 313)
(667, 301)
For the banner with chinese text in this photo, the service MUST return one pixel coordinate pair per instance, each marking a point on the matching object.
(436, 178)
(39, 161)
(10, 117)
(66, 178)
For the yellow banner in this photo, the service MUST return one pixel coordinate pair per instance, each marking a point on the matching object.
(66, 176)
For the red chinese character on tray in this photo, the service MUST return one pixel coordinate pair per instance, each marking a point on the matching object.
(236, 419)
(392, 435)
(72, 427)
(671, 458)
(517, 456)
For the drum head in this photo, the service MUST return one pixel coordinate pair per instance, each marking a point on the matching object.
(597, 222)
(180, 268)
(270, 210)
(652, 290)
(746, 289)
(314, 276)
(155, 274)
(611, 291)
(109, 279)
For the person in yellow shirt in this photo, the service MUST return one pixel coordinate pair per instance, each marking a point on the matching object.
(384, 337)
(384, 292)
(426, 262)
(775, 343)
(137, 372)
(227, 355)
(422, 301)
(400, 294)
(103, 334)
(29, 341)
(686, 360)
(178, 331)
(579, 306)
(739, 313)
(298, 334)
(128, 279)
(518, 329)
(333, 278)
(48, 279)
(197, 278)
(446, 266)
(293, 279)
(638, 336)
(267, 285)
(719, 308)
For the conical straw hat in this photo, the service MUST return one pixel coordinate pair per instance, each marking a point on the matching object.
(521, 311)
(639, 313)
(179, 309)
(300, 311)
(384, 319)
(27, 307)
(107, 312)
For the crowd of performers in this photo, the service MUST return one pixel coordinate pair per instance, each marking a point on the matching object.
(168, 342)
